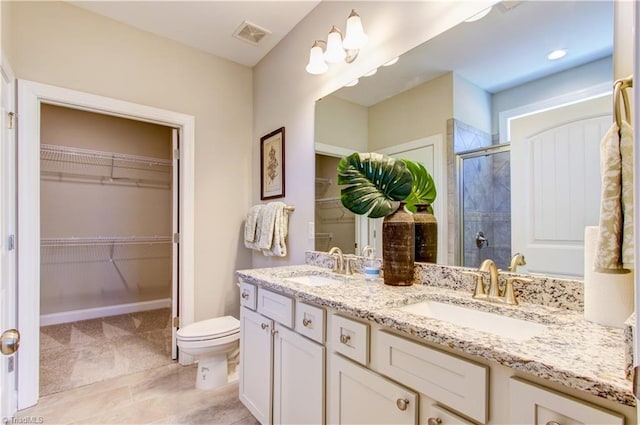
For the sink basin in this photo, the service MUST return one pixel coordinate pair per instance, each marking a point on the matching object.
(313, 280)
(483, 321)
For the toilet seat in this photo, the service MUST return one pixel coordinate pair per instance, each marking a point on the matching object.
(217, 328)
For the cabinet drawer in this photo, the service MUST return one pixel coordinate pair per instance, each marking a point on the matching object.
(452, 381)
(276, 306)
(310, 321)
(248, 295)
(441, 416)
(350, 338)
(531, 404)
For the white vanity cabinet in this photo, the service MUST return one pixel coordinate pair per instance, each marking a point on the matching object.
(282, 373)
(535, 405)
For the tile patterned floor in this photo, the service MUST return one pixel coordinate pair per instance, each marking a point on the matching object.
(81, 353)
(163, 395)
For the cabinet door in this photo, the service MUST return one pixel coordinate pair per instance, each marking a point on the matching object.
(531, 404)
(256, 352)
(360, 396)
(298, 379)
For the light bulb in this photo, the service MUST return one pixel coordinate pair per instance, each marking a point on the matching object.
(316, 63)
(355, 37)
(335, 52)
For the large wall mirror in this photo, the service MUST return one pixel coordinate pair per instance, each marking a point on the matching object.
(510, 136)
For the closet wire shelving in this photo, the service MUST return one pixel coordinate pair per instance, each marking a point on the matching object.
(92, 166)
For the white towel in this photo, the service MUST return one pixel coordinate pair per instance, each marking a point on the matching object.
(278, 246)
(251, 227)
(616, 206)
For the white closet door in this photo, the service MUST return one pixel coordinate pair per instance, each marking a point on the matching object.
(555, 184)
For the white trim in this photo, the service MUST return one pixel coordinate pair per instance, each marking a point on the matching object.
(504, 117)
(331, 150)
(31, 95)
(636, 186)
(97, 312)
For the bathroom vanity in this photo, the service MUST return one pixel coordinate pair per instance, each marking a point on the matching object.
(318, 347)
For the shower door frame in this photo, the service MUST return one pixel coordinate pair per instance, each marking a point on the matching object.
(460, 157)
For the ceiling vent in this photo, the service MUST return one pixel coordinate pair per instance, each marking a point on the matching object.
(251, 33)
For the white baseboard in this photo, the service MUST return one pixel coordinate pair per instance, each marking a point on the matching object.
(94, 313)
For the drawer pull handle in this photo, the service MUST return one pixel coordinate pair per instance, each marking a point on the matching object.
(245, 295)
(434, 421)
(402, 404)
(264, 325)
(274, 332)
(345, 339)
(306, 323)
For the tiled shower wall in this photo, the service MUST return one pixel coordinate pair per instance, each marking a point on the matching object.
(486, 198)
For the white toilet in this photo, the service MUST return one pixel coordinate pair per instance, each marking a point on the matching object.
(211, 342)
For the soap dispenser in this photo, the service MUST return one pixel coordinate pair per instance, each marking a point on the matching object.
(371, 265)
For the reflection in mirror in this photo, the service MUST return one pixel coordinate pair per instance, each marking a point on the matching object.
(480, 96)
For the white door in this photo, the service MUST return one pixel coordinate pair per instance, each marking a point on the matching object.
(428, 152)
(555, 187)
(8, 294)
(256, 353)
(298, 379)
(359, 396)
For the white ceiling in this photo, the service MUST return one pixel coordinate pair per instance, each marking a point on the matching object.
(209, 25)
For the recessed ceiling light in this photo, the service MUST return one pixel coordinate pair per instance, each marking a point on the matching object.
(479, 15)
(370, 73)
(392, 62)
(352, 83)
(557, 54)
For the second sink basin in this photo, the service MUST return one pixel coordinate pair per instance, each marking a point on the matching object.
(483, 321)
(313, 280)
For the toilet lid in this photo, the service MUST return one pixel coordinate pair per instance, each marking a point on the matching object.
(217, 327)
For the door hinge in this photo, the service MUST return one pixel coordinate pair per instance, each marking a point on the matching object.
(11, 242)
(176, 322)
(176, 238)
(176, 154)
(11, 120)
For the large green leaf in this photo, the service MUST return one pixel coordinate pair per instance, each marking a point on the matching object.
(423, 189)
(375, 183)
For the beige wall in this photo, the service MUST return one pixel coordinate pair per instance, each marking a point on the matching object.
(62, 45)
(72, 205)
(414, 114)
(341, 123)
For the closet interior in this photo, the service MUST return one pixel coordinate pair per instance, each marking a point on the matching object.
(106, 210)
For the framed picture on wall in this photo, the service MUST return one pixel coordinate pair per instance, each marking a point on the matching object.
(272, 165)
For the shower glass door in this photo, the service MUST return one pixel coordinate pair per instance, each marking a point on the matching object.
(484, 206)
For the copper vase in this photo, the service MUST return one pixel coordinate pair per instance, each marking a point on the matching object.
(398, 238)
(426, 228)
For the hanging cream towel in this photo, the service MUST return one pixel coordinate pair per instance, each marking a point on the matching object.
(251, 226)
(616, 206)
(626, 151)
(280, 231)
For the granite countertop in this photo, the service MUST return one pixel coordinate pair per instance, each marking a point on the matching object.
(571, 351)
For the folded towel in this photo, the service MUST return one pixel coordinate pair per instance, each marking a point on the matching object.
(614, 209)
(280, 231)
(251, 225)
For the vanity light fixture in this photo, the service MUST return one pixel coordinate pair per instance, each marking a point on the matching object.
(557, 54)
(479, 15)
(352, 83)
(337, 49)
(370, 73)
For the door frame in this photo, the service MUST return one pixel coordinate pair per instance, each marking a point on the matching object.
(8, 288)
(30, 96)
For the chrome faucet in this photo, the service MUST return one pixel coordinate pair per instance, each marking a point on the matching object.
(516, 260)
(339, 265)
(488, 265)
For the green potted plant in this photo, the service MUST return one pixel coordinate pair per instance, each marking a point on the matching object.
(377, 186)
